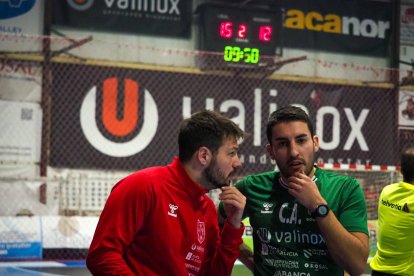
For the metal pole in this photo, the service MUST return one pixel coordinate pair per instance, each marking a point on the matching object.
(46, 86)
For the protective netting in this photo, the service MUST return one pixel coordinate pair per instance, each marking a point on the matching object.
(76, 120)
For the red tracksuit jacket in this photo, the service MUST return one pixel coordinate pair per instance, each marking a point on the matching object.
(158, 221)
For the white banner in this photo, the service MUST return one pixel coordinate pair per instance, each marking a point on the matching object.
(20, 80)
(20, 135)
(39, 198)
(68, 232)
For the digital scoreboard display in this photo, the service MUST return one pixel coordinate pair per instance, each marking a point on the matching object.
(242, 35)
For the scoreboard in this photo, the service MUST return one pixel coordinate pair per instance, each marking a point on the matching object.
(241, 35)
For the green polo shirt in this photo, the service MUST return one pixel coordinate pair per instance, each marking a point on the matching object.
(286, 239)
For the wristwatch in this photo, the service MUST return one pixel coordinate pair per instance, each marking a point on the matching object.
(321, 211)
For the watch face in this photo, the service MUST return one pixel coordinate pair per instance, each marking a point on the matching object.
(323, 210)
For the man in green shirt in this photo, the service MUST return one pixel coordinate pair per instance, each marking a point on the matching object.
(395, 254)
(306, 221)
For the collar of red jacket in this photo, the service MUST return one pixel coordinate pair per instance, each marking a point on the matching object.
(194, 189)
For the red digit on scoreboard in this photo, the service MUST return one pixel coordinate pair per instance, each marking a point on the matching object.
(241, 33)
(226, 29)
(265, 33)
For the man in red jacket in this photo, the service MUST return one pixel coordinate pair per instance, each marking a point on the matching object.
(159, 221)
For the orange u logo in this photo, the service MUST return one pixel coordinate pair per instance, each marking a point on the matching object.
(124, 126)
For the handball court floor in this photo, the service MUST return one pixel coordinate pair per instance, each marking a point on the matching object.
(69, 268)
(44, 268)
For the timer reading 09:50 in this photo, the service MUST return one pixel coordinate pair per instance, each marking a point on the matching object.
(236, 54)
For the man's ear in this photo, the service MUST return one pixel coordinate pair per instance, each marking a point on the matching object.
(204, 156)
(316, 143)
(270, 151)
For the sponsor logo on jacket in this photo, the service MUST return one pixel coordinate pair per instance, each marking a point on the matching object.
(396, 206)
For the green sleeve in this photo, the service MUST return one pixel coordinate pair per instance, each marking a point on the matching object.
(354, 211)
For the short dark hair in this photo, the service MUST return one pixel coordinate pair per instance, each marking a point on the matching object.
(407, 164)
(205, 129)
(287, 114)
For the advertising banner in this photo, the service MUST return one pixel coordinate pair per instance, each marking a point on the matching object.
(68, 231)
(406, 108)
(20, 80)
(13, 191)
(129, 118)
(156, 18)
(407, 25)
(20, 135)
(406, 138)
(28, 237)
(352, 27)
(21, 17)
(20, 238)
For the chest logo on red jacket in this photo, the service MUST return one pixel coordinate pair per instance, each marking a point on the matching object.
(201, 231)
(172, 212)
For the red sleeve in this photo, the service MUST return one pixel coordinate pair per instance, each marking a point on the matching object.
(225, 252)
(123, 215)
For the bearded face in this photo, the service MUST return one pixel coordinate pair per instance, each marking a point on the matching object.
(223, 165)
(215, 175)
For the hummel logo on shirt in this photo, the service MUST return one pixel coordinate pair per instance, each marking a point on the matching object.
(267, 207)
(173, 208)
